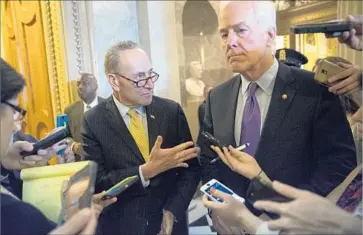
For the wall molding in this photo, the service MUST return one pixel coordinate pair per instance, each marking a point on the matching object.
(52, 26)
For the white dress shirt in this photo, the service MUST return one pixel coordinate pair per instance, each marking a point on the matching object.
(263, 94)
(123, 109)
(92, 104)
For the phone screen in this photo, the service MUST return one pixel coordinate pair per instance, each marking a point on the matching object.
(219, 187)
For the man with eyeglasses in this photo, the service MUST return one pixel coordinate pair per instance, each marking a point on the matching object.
(136, 133)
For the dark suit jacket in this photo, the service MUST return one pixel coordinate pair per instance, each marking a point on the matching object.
(138, 210)
(201, 112)
(75, 118)
(306, 140)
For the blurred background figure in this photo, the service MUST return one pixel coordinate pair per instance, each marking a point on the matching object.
(291, 57)
(195, 88)
(87, 91)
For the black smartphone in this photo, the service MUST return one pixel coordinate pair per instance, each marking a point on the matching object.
(260, 189)
(335, 28)
(211, 140)
(49, 141)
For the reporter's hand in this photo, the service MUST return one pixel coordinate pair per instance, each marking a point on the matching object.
(167, 223)
(349, 80)
(308, 213)
(232, 212)
(83, 223)
(13, 160)
(162, 160)
(98, 204)
(68, 155)
(351, 38)
(238, 161)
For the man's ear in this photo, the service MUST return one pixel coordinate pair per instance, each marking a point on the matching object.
(115, 84)
(271, 37)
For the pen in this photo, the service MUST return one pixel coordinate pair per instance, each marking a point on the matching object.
(240, 148)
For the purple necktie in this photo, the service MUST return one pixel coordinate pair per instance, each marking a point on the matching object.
(251, 122)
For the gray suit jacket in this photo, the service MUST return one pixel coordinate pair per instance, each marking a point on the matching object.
(75, 118)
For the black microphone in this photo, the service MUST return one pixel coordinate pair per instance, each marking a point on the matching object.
(48, 141)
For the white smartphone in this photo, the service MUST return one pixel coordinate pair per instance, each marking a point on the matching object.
(215, 184)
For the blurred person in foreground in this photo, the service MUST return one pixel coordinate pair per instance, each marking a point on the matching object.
(18, 217)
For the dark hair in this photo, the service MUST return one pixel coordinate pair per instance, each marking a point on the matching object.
(12, 83)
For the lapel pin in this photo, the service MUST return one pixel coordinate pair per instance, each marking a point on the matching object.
(152, 116)
(284, 96)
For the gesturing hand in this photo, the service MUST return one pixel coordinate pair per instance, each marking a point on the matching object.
(164, 159)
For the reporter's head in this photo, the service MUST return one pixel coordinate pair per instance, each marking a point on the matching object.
(12, 83)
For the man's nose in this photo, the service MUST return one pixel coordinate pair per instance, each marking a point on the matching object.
(149, 84)
(232, 39)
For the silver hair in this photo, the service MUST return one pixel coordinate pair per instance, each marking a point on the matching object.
(112, 58)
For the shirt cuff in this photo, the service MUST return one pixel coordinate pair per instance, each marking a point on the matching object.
(144, 182)
(264, 230)
(72, 145)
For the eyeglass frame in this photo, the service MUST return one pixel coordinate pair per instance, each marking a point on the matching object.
(137, 82)
(21, 111)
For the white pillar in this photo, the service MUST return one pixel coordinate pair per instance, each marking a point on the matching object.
(158, 37)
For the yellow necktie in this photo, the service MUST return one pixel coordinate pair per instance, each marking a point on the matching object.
(139, 134)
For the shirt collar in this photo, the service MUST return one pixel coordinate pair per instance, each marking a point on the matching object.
(92, 104)
(123, 109)
(266, 82)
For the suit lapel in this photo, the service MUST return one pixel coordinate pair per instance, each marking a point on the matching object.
(152, 124)
(282, 95)
(114, 119)
(228, 116)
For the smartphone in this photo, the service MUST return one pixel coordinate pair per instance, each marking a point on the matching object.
(62, 121)
(215, 184)
(335, 28)
(78, 192)
(211, 140)
(120, 187)
(260, 189)
(325, 70)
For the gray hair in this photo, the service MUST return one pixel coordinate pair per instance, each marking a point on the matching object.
(112, 58)
(265, 12)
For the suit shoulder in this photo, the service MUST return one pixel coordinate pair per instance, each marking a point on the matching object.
(165, 103)
(305, 80)
(71, 106)
(96, 112)
(225, 86)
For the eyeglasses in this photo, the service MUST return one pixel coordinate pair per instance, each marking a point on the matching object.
(21, 111)
(143, 81)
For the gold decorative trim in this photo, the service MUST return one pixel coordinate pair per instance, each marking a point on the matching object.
(51, 14)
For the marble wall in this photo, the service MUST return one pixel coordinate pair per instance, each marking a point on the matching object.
(113, 21)
(199, 40)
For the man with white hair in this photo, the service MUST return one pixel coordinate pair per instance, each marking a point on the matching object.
(296, 129)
